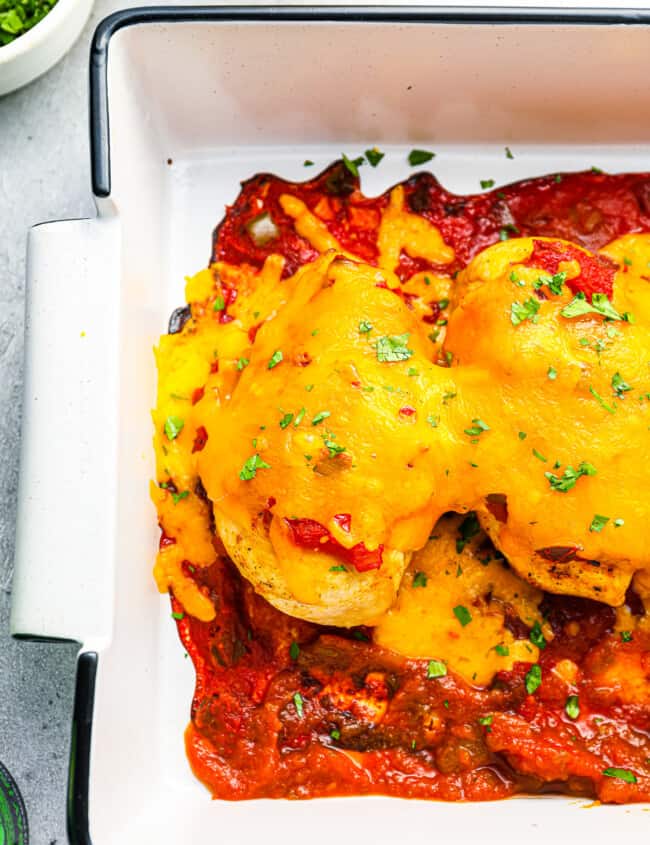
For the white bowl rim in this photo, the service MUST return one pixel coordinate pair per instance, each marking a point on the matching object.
(39, 33)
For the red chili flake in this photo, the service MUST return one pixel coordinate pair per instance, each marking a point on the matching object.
(252, 332)
(226, 318)
(344, 521)
(596, 271)
(198, 395)
(200, 439)
(165, 542)
(214, 366)
(407, 411)
(559, 554)
(303, 359)
(434, 316)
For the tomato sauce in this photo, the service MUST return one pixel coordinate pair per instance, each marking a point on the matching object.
(285, 708)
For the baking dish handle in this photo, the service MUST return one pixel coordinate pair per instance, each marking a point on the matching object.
(65, 530)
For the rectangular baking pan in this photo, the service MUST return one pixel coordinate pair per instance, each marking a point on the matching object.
(186, 102)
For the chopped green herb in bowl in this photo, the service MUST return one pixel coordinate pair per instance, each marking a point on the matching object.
(19, 16)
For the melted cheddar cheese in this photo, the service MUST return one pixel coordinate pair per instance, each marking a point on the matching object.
(324, 385)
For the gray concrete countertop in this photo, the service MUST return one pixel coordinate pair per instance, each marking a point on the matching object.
(44, 175)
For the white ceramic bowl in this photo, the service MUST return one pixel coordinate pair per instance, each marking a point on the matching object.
(31, 54)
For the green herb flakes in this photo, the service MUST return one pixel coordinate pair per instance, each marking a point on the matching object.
(374, 156)
(173, 426)
(533, 679)
(468, 528)
(294, 650)
(487, 183)
(619, 385)
(335, 734)
(521, 311)
(319, 417)
(416, 157)
(219, 304)
(462, 614)
(352, 164)
(572, 707)
(536, 636)
(365, 327)
(252, 464)
(299, 417)
(298, 704)
(275, 359)
(178, 616)
(242, 363)
(502, 650)
(286, 420)
(600, 304)
(620, 774)
(568, 480)
(436, 669)
(508, 152)
(392, 348)
(626, 636)
(600, 400)
(598, 523)
(552, 373)
(178, 497)
(420, 579)
(433, 421)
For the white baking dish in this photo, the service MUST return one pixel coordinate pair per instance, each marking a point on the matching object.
(199, 99)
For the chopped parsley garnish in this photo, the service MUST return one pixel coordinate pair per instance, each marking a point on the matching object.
(572, 707)
(569, 478)
(443, 303)
(352, 164)
(320, 416)
(252, 464)
(485, 720)
(520, 311)
(392, 348)
(308, 163)
(412, 371)
(478, 428)
(626, 636)
(243, 362)
(502, 650)
(533, 678)
(333, 448)
(619, 385)
(294, 650)
(620, 774)
(600, 304)
(536, 636)
(338, 568)
(554, 283)
(309, 388)
(416, 157)
(468, 528)
(286, 420)
(365, 327)
(433, 421)
(598, 523)
(420, 579)
(299, 417)
(178, 616)
(462, 614)
(539, 456)
(522, 435)
(177, 497)
(487, 183)
(374, 156)
(275, 359)
(552, 373)
(173, 427)
(436, 669)
(509, 152)
(596, 170)
(297, 703)
(219, 304)
(601, 401)
(335, 734)
(507, 230)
